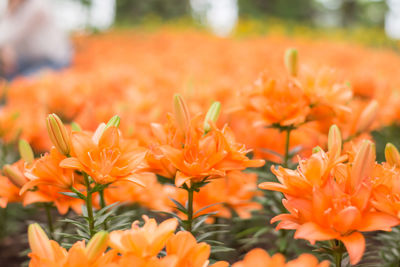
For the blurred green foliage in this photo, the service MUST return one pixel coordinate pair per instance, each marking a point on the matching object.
(134, 11)
(338, 13)
(285, 9)
(388, 134)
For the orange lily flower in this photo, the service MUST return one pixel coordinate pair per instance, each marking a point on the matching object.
(146, 241)
(49, 253)
(51, 194)
(325, 92)
(11, 188)
(194, 153)
(182, 251)
(132, 260)
(386, 192)
(164, 134)
(278, 101)
(105, 156)
(140, 246)
(314, 171)
(9, 192)
(207, 156)
(46, 171)
(260, 258)
(11, 183)
(338, 206)
(189, 252)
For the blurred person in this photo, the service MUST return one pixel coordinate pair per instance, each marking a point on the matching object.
(30, 40)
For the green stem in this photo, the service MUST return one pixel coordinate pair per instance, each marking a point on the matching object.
(287, 144)
(103, 205)
(47, 207)
(89, 206)
(190, 209)
(338, 259)
(337, 247)
(3, 222)
(102, 200)
(283, 241)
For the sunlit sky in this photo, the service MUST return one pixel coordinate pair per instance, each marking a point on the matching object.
(220, 15)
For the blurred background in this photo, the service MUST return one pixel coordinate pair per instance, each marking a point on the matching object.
(222, 16)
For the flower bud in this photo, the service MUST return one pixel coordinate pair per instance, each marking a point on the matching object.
(181, 113)
(367, 117)
(97, 245)
(114, 121)
(14, 175)
(25, 151)
(99, 132)
(75, 127)
(58, 134)
(334, 142)
(316, 149)
(291, 61)
(392, 155)
(212, 115)
(363, 163)
(39, 242)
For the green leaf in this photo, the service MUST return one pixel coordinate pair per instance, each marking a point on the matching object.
(84, 211)
(199, 223)
(178, 205)
(202, 237)
(99, 187)
(171, 215)
(221, 249)
(70, 194)
(206, 207)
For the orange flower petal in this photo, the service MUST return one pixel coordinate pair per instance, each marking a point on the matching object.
(181, 178)
(72, 163)
(374, 221)
(313, 232)
(355, 245)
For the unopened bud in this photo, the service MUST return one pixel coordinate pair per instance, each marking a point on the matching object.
(58, 134)
(75, 127)
(212, 115)
(97, 245)
(367, 117)
(181, 113)
(392, 155)
(334, 142)
(39, 242)
(25, 151)
(291, 61)
(316, 149)
(363, 162)
(14, 175)
(114, 121)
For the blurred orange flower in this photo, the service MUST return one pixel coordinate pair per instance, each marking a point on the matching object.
(47, 252)
(44, 191)
(46, 171)
(260, 258)
(278, 101)
(146, 241)
(8, 192)
(189, 252)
